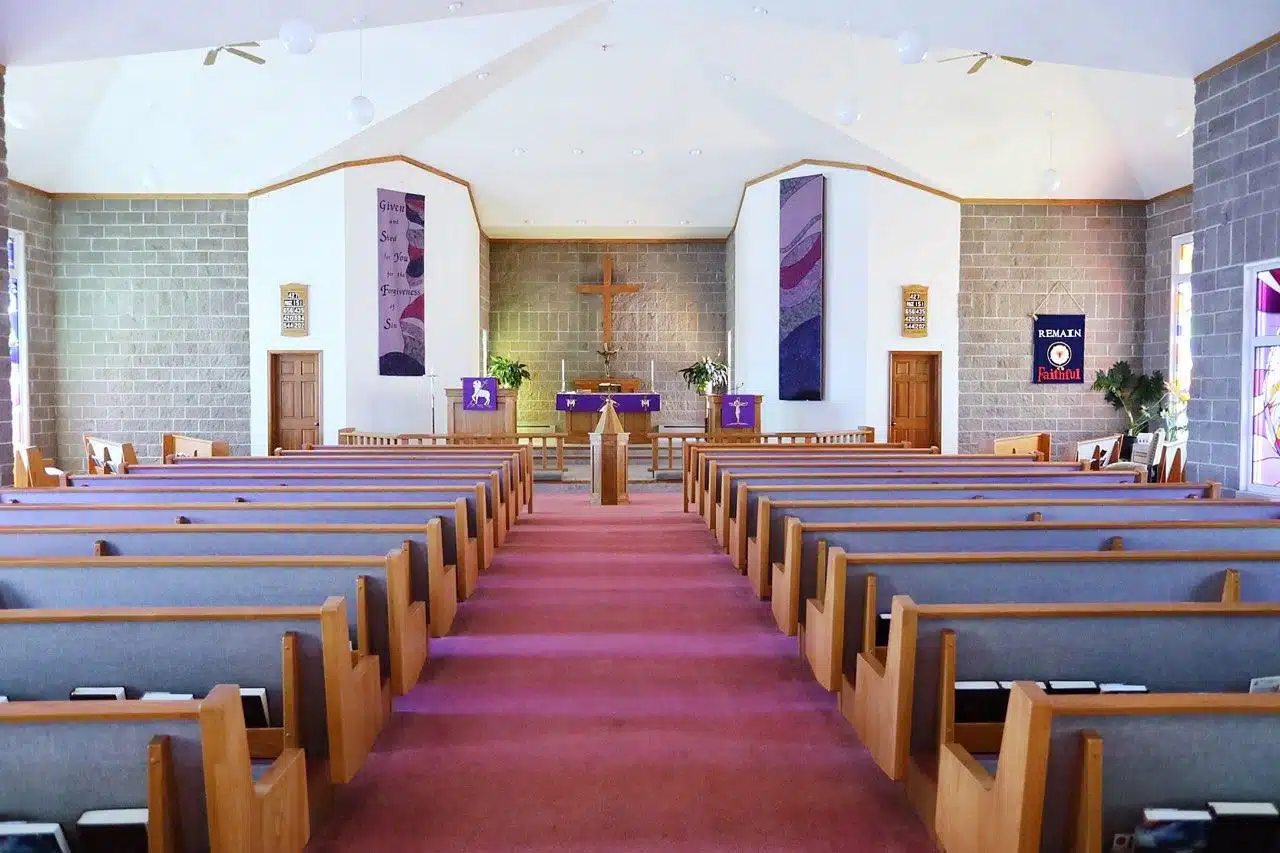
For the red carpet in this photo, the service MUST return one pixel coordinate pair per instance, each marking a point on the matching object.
(614, 688)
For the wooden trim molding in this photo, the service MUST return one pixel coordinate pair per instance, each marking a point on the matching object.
(1171, 193)
(29, 188)
(1247, 53)
(1055, 202)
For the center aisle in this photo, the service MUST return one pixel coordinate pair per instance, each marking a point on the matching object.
(614, 687)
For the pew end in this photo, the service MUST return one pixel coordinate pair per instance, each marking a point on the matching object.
(108, 457)
(881, 705)
(824, 622)
(785, 583)
(32, 471)
(175, 446)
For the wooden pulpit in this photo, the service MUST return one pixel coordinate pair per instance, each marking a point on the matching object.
(717, 427)
(500, 421)
(609, 459)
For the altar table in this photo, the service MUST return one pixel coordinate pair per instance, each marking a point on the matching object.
(582, 412)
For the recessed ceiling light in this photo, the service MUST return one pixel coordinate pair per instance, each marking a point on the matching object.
(637, 152)
(695, 152)
(483, 75)
(760, 10)
(519, 152)
(455, 7)
(582, 222)
(631, 222)
(729, 78)
(684, 222)
(578, 151)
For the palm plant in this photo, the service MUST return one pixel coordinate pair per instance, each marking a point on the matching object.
(509, 372)
(1139, 395)
(706, 374)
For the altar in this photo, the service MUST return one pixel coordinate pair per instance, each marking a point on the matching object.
(582, 412)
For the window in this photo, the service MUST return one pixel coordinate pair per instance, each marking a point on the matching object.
(1261, 374)
(1180, 340)
(16, 306)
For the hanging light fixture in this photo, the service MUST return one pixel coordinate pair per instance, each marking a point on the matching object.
(361, 109)
(848, 114)
(911, 47)
(297, 36)
(1050, 180)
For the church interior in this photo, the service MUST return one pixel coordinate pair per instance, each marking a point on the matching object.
(638, 425)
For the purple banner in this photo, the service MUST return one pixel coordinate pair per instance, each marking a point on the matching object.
(738, 411)
(800, 275)
(479, 394)
(402, 340)
(622, 403)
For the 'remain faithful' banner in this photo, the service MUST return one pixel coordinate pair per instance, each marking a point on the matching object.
(401, 307)
(1057, 345)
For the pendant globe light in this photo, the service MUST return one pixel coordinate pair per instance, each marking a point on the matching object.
(361, 109)
(297, 36)
(911, 47)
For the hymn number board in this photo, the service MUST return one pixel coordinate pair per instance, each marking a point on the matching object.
(293, 310)
(915, 311)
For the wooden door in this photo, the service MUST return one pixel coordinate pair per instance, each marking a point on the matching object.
(915, 408)
(294, 409)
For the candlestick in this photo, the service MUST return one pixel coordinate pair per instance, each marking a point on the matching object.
(653, 377)
(562, 386)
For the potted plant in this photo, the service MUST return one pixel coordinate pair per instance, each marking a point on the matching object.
(707, 374)
(1138, 395)
(509, 372)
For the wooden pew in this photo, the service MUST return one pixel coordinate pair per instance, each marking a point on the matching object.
(761, 537)
(319, 698)
(188, 762)
(431, 580)
(174, 447)
(1159, 748)
(108, 457)
(384, 620)
(32, 471)
(1165, 647)
(496, 498)
(464, 554)
(724, 509)
(795, 531)
(1039, 443)
(480, 522)
(695, 453)
(855, 588)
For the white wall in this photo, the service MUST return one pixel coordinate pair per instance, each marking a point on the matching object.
(297, 234)
(452, 256)
(323, 232)
(914, 239)
(879, 236)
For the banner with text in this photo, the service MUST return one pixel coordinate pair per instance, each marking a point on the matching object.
(1057, 344)
(402, 341)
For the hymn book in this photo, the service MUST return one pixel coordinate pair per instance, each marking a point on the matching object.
(112, 831)
(1244, 828)
(1173, 830)
(1268, 684)
(90, 694)
(24, 837)
(254, 701)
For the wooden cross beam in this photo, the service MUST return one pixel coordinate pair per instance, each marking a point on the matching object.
(608, 290)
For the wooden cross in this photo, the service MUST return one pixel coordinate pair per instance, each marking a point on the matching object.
(608, 290)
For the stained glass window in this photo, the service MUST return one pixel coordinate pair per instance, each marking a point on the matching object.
(1266, 416)
(1261, 430)
(1180, 342)
(15, 308)
(1268, 303)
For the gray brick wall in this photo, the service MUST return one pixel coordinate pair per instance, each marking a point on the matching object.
(6, 405)
(484, 285)
(537, 316)
(32, 214)
(1236, 214)
(152, 322)
(1010, 256)
(1166, 219)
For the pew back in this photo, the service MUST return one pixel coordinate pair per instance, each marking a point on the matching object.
(175, 448)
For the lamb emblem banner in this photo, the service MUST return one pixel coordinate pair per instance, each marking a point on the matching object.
(402, 341)
(479, 394)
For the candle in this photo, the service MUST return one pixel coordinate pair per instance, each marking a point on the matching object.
(562, 386)
(729, 363)
(653, 377)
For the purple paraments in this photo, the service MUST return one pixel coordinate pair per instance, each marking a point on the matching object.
(800, 275)
(623, 404)
(479, 394)
(738, 411)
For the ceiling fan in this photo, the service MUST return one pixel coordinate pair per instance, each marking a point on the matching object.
(984, 57)
(235, 50)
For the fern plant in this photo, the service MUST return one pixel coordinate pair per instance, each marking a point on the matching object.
(706, 374)
(1138, 395)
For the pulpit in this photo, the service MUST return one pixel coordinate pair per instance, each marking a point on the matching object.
(499, 421)
(609, 459)
(733, 415)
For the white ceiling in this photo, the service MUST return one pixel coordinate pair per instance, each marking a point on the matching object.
(119, 102)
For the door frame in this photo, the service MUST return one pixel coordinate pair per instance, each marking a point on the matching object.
(272, 404)
(935, 378)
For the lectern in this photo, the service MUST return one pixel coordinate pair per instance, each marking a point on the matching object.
(464, 421)
(724, 427)
(609, 459)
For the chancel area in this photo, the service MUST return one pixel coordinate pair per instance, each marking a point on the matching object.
(640, 425)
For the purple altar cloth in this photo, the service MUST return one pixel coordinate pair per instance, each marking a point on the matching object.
(624, 403)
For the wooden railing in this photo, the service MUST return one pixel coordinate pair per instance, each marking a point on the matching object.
(546, 448)
(665, 456)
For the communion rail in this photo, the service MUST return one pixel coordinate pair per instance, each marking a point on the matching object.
(668, 447)
(547, 448)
